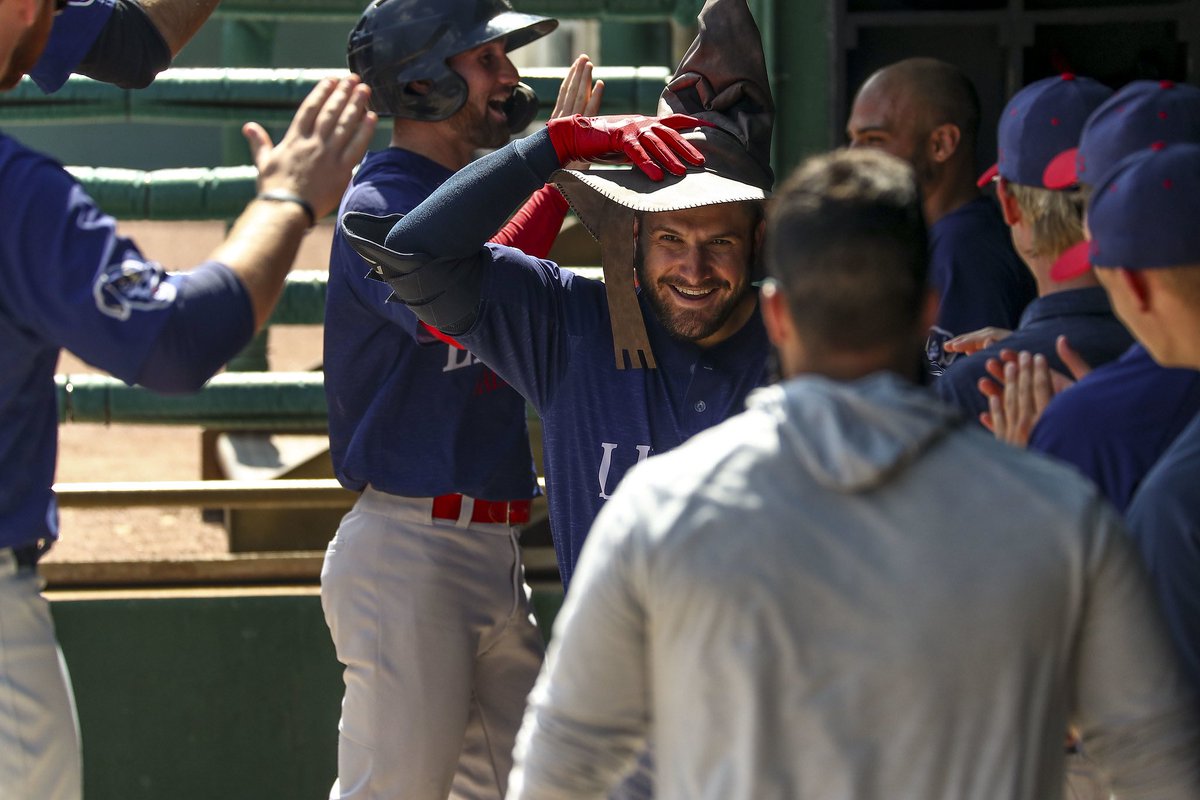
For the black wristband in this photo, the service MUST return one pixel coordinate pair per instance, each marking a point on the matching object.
(284, 196)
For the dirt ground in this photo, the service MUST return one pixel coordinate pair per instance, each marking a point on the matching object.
(95, 452)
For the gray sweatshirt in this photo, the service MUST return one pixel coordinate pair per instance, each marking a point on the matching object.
(842, 594)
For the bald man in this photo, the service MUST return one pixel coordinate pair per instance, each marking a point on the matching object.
(926, 112)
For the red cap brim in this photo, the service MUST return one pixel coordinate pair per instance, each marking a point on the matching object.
(1060, 173)
(988, 176)
(1072, 263)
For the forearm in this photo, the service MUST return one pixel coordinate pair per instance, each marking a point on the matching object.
(468, 209)
(260, 250)
(535, 226)
(129, 51)
(178, 20)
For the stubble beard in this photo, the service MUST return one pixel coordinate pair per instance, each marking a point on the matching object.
(683, 324)
(477, 127)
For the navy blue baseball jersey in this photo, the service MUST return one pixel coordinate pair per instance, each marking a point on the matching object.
(547, 332)
(408, 413)
(71, 38)
(71, 282)
(1115, 423)
(1164, 519)
(1083, 315)
(981, 280)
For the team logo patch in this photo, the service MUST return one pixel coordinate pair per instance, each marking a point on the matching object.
(132, 285)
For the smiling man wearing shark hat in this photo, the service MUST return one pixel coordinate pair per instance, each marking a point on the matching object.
(683, 223)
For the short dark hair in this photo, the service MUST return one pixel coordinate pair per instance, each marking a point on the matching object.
(846, 241)
(942, 91)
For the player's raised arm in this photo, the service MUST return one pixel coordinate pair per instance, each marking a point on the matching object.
(123, 42)
(536, 224)
(300, 180)
(452, 225)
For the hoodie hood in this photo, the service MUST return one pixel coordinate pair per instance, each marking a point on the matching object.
(855, 436)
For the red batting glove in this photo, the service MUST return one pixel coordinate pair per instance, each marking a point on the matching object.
(650, 143)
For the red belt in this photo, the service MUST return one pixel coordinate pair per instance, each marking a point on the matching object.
(512, 512)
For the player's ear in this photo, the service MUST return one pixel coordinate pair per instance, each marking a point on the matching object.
(1138, 287)
(777, 317)
(943, 142)
(1008, 203)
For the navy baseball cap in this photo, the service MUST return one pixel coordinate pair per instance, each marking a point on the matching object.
(1142, 214)
(1040, 122)
(1137, 116)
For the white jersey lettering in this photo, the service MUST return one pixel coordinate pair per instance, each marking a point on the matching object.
(457, 359)
(643, 451)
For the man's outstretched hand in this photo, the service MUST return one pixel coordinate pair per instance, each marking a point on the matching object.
(326, 140)
(652, 144)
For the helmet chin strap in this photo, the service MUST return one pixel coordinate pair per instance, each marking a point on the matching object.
(521, 108)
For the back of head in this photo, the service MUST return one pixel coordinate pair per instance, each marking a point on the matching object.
(1038, 125)
(846, 241)
(397, 43)
(1140, 115)
(1142, 214)
(943, 93)
(1055, 218)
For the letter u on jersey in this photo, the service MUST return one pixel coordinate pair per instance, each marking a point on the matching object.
(643, 451)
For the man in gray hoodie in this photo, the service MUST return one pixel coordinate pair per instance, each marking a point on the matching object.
(844, 592)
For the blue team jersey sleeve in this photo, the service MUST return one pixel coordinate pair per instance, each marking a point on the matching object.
(74, 33)
(405, 188)
(1164, 519)
(69, 278)
(532, 316)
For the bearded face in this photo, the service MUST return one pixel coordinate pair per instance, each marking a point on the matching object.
(491, 78)
(694, 267)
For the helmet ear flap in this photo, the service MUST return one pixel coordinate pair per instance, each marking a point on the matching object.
(447, 94)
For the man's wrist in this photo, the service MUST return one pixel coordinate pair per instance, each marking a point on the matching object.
(284, 196)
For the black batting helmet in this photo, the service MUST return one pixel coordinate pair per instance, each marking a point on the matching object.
(397, 42)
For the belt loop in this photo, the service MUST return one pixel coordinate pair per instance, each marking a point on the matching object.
(465, 511)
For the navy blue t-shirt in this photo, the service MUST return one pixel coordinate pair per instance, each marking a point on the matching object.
(1084, 315)
(71, 282)
(980, 278)
(410, 414)
(1116, 422)
(546, 331)
(1164, 519)
(71, 39)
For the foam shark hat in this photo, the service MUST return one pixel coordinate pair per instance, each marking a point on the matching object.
(721, 80)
